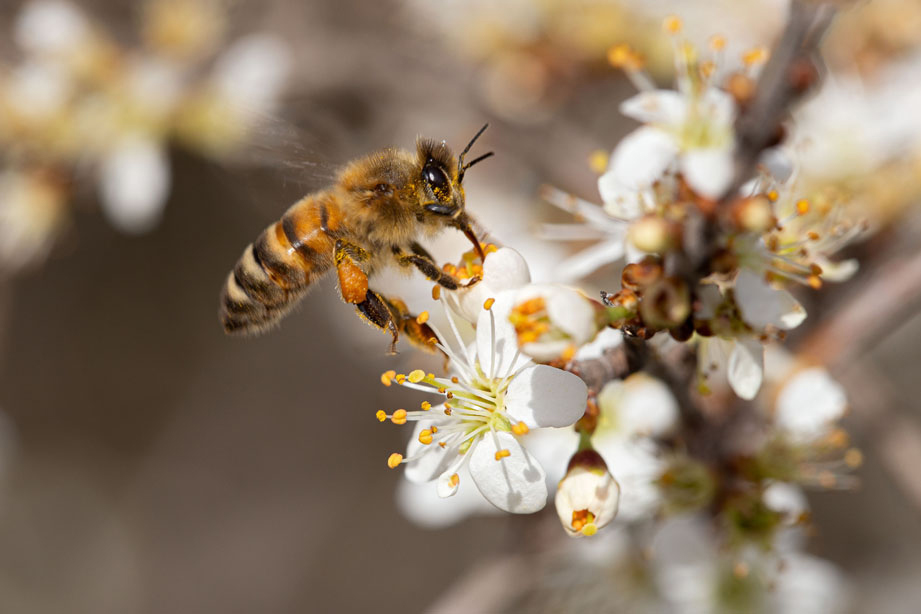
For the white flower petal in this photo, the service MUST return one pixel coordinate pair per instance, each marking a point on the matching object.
(810, 403)
(594, 490)
(446, 485)
(590, 259)
(516, 483)
(639, 160)
(433, 459)
(134, 183)
(569, 310)
(421, 504)
(504, 269)
(746, 367)
(640, 405)
(762, 305)
(546, 396)
(838, 271)
(663, 107)
(708, 171)
(607, 338)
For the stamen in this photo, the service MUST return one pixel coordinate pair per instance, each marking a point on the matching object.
(399, 417)
(454, 480)
(717, 42)
(802, 206)
(394, 460)
(423, 317)
(520, 429)
(400, 378)
(436, 292)
(672, 24)
(504, 453)
(758, 55)
(416, 376)
(488, 303)
(425, 437)
(589, 529)
(387, 377)
(426, 406)
(381, 415)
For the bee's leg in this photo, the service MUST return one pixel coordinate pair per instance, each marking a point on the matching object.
(353, 281)
(376, 311)
(425, 263)
(392, 315)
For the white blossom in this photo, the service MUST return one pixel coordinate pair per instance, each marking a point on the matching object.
(495, 398)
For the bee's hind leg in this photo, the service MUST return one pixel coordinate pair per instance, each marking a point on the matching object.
(392, 315)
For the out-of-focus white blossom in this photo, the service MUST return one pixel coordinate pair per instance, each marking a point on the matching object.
(134, 183)
(32, 213)
(809, 404)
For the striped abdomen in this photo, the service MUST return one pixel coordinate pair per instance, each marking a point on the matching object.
(277, 268)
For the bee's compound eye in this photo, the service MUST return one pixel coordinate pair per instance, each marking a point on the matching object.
(437, 179)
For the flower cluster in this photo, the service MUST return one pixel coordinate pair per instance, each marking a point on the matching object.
(79, 105)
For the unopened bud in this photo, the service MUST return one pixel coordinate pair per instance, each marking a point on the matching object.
(741, 88)
(754, 213)
(666, 304)
(641, 274)
(651, 234)
(588, 496)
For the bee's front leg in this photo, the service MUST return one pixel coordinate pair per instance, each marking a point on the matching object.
(423, 261)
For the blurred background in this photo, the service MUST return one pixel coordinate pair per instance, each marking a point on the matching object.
(152, 464)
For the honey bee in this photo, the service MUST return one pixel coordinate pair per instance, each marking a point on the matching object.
(373, 215)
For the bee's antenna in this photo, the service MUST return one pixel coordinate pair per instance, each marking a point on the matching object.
(460, 158)
(480, 159)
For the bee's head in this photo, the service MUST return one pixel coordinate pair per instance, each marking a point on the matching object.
(441, 178)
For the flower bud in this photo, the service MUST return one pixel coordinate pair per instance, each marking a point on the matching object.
(588, 496)
(652, 234)
(666, 304)
(641, 274)
(754, 214)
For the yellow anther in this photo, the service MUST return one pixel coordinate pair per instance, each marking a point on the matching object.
(447, 411)
(490, 249)
(500, 454)
(416, 376)
(387, 377)
(400, 378)
(399, 417)
(449, 395)
(758, 55)
(816, 269)
(589, 529)
(814, 282)
(598, 161)
(381, 415)
(431, 376)
(442, 444)
(802, 206)
(520, 429)
(623, 57)
(853, 458)
(423, 317)
(436, 292)
(394, 460)
(426, 406)
(813, 235)
(707, 69)
(717, 42)
(488, 303)
(672, 24)
(455, 379)
(441, 390)
(434, 429)
(425, 437)
(454, 480)
(569, 352)
(773, 195)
